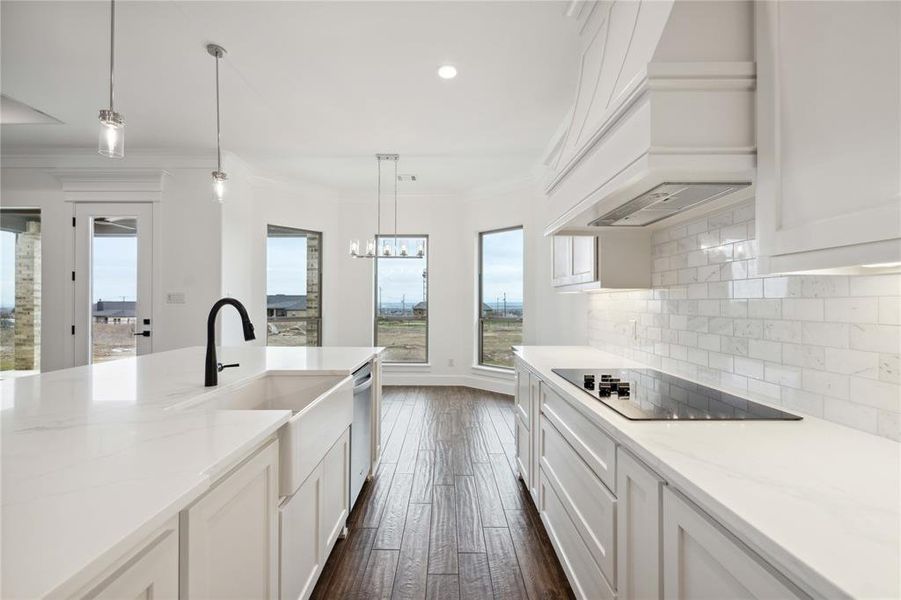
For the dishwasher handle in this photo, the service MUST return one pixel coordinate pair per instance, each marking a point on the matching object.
(362, 386)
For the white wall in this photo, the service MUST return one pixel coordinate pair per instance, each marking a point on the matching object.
(186, 252)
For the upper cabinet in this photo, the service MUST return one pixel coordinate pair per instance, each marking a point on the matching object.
(613, 260)
(665, 95)
(828, 134)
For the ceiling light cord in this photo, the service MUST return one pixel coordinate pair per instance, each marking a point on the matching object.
(395, 207)
(112, 48)
(378, 209)
(218, 129)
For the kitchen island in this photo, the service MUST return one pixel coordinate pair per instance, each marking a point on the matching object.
(709, 508)
(97, 459)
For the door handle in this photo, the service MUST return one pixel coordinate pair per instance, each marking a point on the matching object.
(143, 334)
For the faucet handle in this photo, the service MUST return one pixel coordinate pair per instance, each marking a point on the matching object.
(220, 367)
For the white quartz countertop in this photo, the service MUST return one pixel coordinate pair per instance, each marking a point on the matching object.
(821, 502)
(93, 462)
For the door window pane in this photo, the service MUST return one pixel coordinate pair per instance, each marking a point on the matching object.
(114, 288)
(500, 296)
(402, 302)
(20, 294)
(293, 287)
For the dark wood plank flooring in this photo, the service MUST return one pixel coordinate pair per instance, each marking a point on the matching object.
(446, 515)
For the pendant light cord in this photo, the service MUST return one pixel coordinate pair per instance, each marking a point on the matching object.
(112, 46)
(395, 207)
(218, 132)
(378, 231)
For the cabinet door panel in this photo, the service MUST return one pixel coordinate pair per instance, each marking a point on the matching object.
(232, 533)
(562, 259)
(829, 132)
(301, 556)
(535, 386)
(583, 573)
(591, 508)
(638, 509)
(584, 258)
(700, 560)
(335, 493)
(152, 574)
(523, 453)
(523, 397)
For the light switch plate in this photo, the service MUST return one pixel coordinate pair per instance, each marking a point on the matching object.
(175, 298)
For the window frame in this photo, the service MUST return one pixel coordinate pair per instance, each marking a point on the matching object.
(318, 320)
(375, 293)
(480, 300)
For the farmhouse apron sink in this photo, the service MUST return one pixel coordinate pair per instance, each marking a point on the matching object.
(322, 407)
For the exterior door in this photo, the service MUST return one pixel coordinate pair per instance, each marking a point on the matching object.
(112, 279)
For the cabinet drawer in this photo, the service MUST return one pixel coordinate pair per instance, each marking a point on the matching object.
(589, 505)
(594, 446)
(523, 456)
(581, 570)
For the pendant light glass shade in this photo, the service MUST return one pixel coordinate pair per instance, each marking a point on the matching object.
(111, 141)
(219, 179)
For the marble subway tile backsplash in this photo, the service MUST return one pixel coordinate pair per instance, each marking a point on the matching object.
(823, 345)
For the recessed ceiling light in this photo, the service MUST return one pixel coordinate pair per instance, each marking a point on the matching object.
(447, 71)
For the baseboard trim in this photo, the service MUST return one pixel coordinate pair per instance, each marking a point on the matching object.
(489, 384)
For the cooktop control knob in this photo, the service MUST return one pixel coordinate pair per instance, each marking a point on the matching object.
(604, 390)
(605, 377)
(589, 382)
(614, 383)
(623, 389)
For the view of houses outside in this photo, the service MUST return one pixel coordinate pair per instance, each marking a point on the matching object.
(114, 289)
(293, 266)
(501, 285)
(401, 297)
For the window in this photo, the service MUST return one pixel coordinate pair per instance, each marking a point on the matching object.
(293, 287)
(20, 292)
(500, 296)
(402, 303)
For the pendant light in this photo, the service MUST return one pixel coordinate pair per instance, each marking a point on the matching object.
(111, 142)
(388, 249)
(219, 176)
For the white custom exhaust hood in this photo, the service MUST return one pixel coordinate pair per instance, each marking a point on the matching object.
(663, 119)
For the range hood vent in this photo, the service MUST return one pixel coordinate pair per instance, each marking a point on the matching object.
(664, 201)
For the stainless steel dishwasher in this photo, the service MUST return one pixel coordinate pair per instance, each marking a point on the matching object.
(361, 431)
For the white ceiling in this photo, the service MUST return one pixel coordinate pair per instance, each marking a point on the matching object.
(310, 89)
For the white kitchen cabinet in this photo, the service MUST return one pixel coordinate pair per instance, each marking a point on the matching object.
(702, 560)
(581, 570)
(524, 452)
(612, 260)
(828, 129)
(151, 572)
(588, 503)
(230, 535)
(522, 399)
(574, 259)
(638, 559)
(312, 520)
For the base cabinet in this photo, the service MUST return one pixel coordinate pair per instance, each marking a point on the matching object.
(581, 570)
(152, 572)
(701, 560)
(638, 559)
(311, 521)
(230, 535)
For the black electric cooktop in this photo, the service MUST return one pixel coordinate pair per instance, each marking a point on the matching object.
(649, 395)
